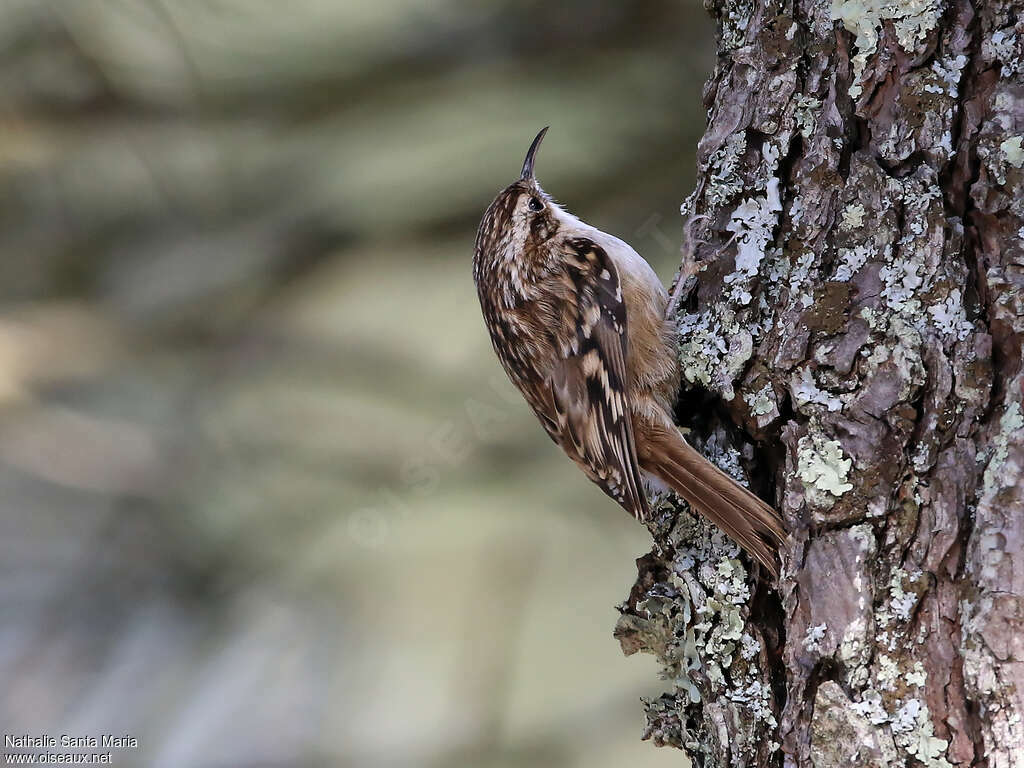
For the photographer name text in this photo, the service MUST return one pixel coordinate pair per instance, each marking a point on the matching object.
(65, 741)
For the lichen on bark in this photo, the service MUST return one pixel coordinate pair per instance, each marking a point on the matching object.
(857, 237)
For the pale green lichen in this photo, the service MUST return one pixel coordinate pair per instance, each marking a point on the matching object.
(734, 18)
(888, 673)
(919, 676)
(1003, 45)
(978, 666)
(947, 77)
(947, 73)
(892, 618)
(696, 623)
(851, 259)
(725, 456)
(1014, 151)
(906, 277)
(813, 637)
(910, 724)
(904, 354)
(1010, 424)
(896, 691)
(701, 351)
(912, 20)
(870, 706)
(718, 343)
(799, 274)
(949, 316)
(805, 392)
(753, 224)
(715, 350)
(796, 212)
(749, 647)
(863, 536)
(739, 351)
(913, 730)
(854, 651)
(901, 601)
(823, 468)
(756, 697)
(724, 181)
(760, 402)
(999, 158)
(807, 107)
(901, 281)
(853, 216)
(870, 317)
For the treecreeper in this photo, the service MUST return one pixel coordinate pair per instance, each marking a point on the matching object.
(578, 321)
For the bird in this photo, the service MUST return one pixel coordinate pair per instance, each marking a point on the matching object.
(578, 321)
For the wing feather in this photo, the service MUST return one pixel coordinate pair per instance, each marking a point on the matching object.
(588, 383)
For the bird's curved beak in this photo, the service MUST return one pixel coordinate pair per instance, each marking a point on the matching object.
(531, 154)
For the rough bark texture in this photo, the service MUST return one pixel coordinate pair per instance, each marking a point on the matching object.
(855, 304)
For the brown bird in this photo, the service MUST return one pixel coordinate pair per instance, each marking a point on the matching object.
(577, 319)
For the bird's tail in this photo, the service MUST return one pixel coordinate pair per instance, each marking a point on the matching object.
(750, 522)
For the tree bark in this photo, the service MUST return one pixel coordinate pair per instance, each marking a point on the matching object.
(852, 298)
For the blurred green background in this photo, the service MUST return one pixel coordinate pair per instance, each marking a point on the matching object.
(266, 497)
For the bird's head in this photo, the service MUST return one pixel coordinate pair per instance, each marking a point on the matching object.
(521, 219)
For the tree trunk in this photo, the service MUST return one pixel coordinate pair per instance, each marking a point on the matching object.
(854, 303)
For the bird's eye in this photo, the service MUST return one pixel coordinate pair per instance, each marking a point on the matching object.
(535, 204)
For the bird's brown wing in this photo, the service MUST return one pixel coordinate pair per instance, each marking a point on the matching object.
(588, 383)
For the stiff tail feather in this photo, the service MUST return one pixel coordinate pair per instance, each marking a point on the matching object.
(750, 522)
